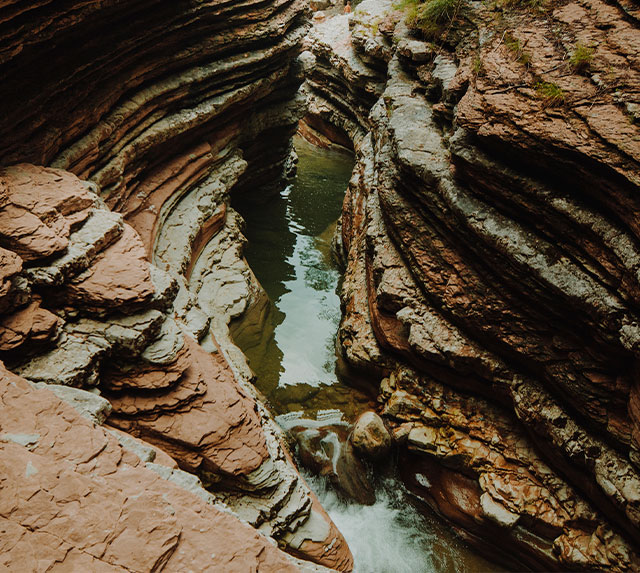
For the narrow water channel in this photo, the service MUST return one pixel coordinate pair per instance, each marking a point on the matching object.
(293, 356)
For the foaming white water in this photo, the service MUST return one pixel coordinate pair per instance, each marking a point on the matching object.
(332, 417)
(387, 537)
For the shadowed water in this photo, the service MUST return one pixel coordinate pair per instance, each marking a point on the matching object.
(291, 348)
(293, 352)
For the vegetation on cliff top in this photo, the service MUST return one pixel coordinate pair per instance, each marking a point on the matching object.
(430, 17)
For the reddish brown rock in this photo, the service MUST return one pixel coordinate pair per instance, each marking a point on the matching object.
(31, 325)
(190, 386)
(38, 207)
(491, 223)
(144, 450)
(217, 432)
(147, 376)
(118, 278)
(182, 171)
(187, 99)
(323, 134)
(98, 506)
(10, 266)
(335, 554)
(482, 473)
(163, 385)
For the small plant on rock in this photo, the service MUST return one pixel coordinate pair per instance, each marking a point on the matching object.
(478, 67)
(581, 58)
(538, 5)
(388, 104)
(551, 94)
(535, 5)
(514, 45)
(430, 17)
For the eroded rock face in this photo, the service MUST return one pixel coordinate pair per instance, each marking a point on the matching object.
(101, 317)
(73, 498)
(164, 110)
(490, 248)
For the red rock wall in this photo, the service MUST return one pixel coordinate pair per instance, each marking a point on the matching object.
(140, 95)
(492, 245)
(163, 107)
(74, 499)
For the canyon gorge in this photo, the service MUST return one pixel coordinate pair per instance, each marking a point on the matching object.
(154, 414)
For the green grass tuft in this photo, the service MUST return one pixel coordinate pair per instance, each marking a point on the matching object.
(431, 16)
(404, 4)
(533, 5)
(550, 93)
(478, 67)
(514, 45)
(581, 58)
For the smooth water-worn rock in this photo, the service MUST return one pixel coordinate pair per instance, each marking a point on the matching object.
(370, 437)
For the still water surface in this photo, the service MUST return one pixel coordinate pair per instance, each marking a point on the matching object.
(293, 356)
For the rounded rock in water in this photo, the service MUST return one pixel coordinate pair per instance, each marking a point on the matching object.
(370, 436)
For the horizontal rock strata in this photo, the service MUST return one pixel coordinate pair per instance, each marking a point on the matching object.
(490, 249)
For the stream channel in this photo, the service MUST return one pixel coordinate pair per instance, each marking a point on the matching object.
(294, 358)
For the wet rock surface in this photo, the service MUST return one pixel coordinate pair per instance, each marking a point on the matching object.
(325, 450)
(490, 245)
(370, 437)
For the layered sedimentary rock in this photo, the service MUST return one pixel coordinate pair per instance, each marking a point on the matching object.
(491, 243)
(121, 259)
(76, 497)
(95, 315)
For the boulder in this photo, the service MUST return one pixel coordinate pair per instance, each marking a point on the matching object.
(370, 437)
